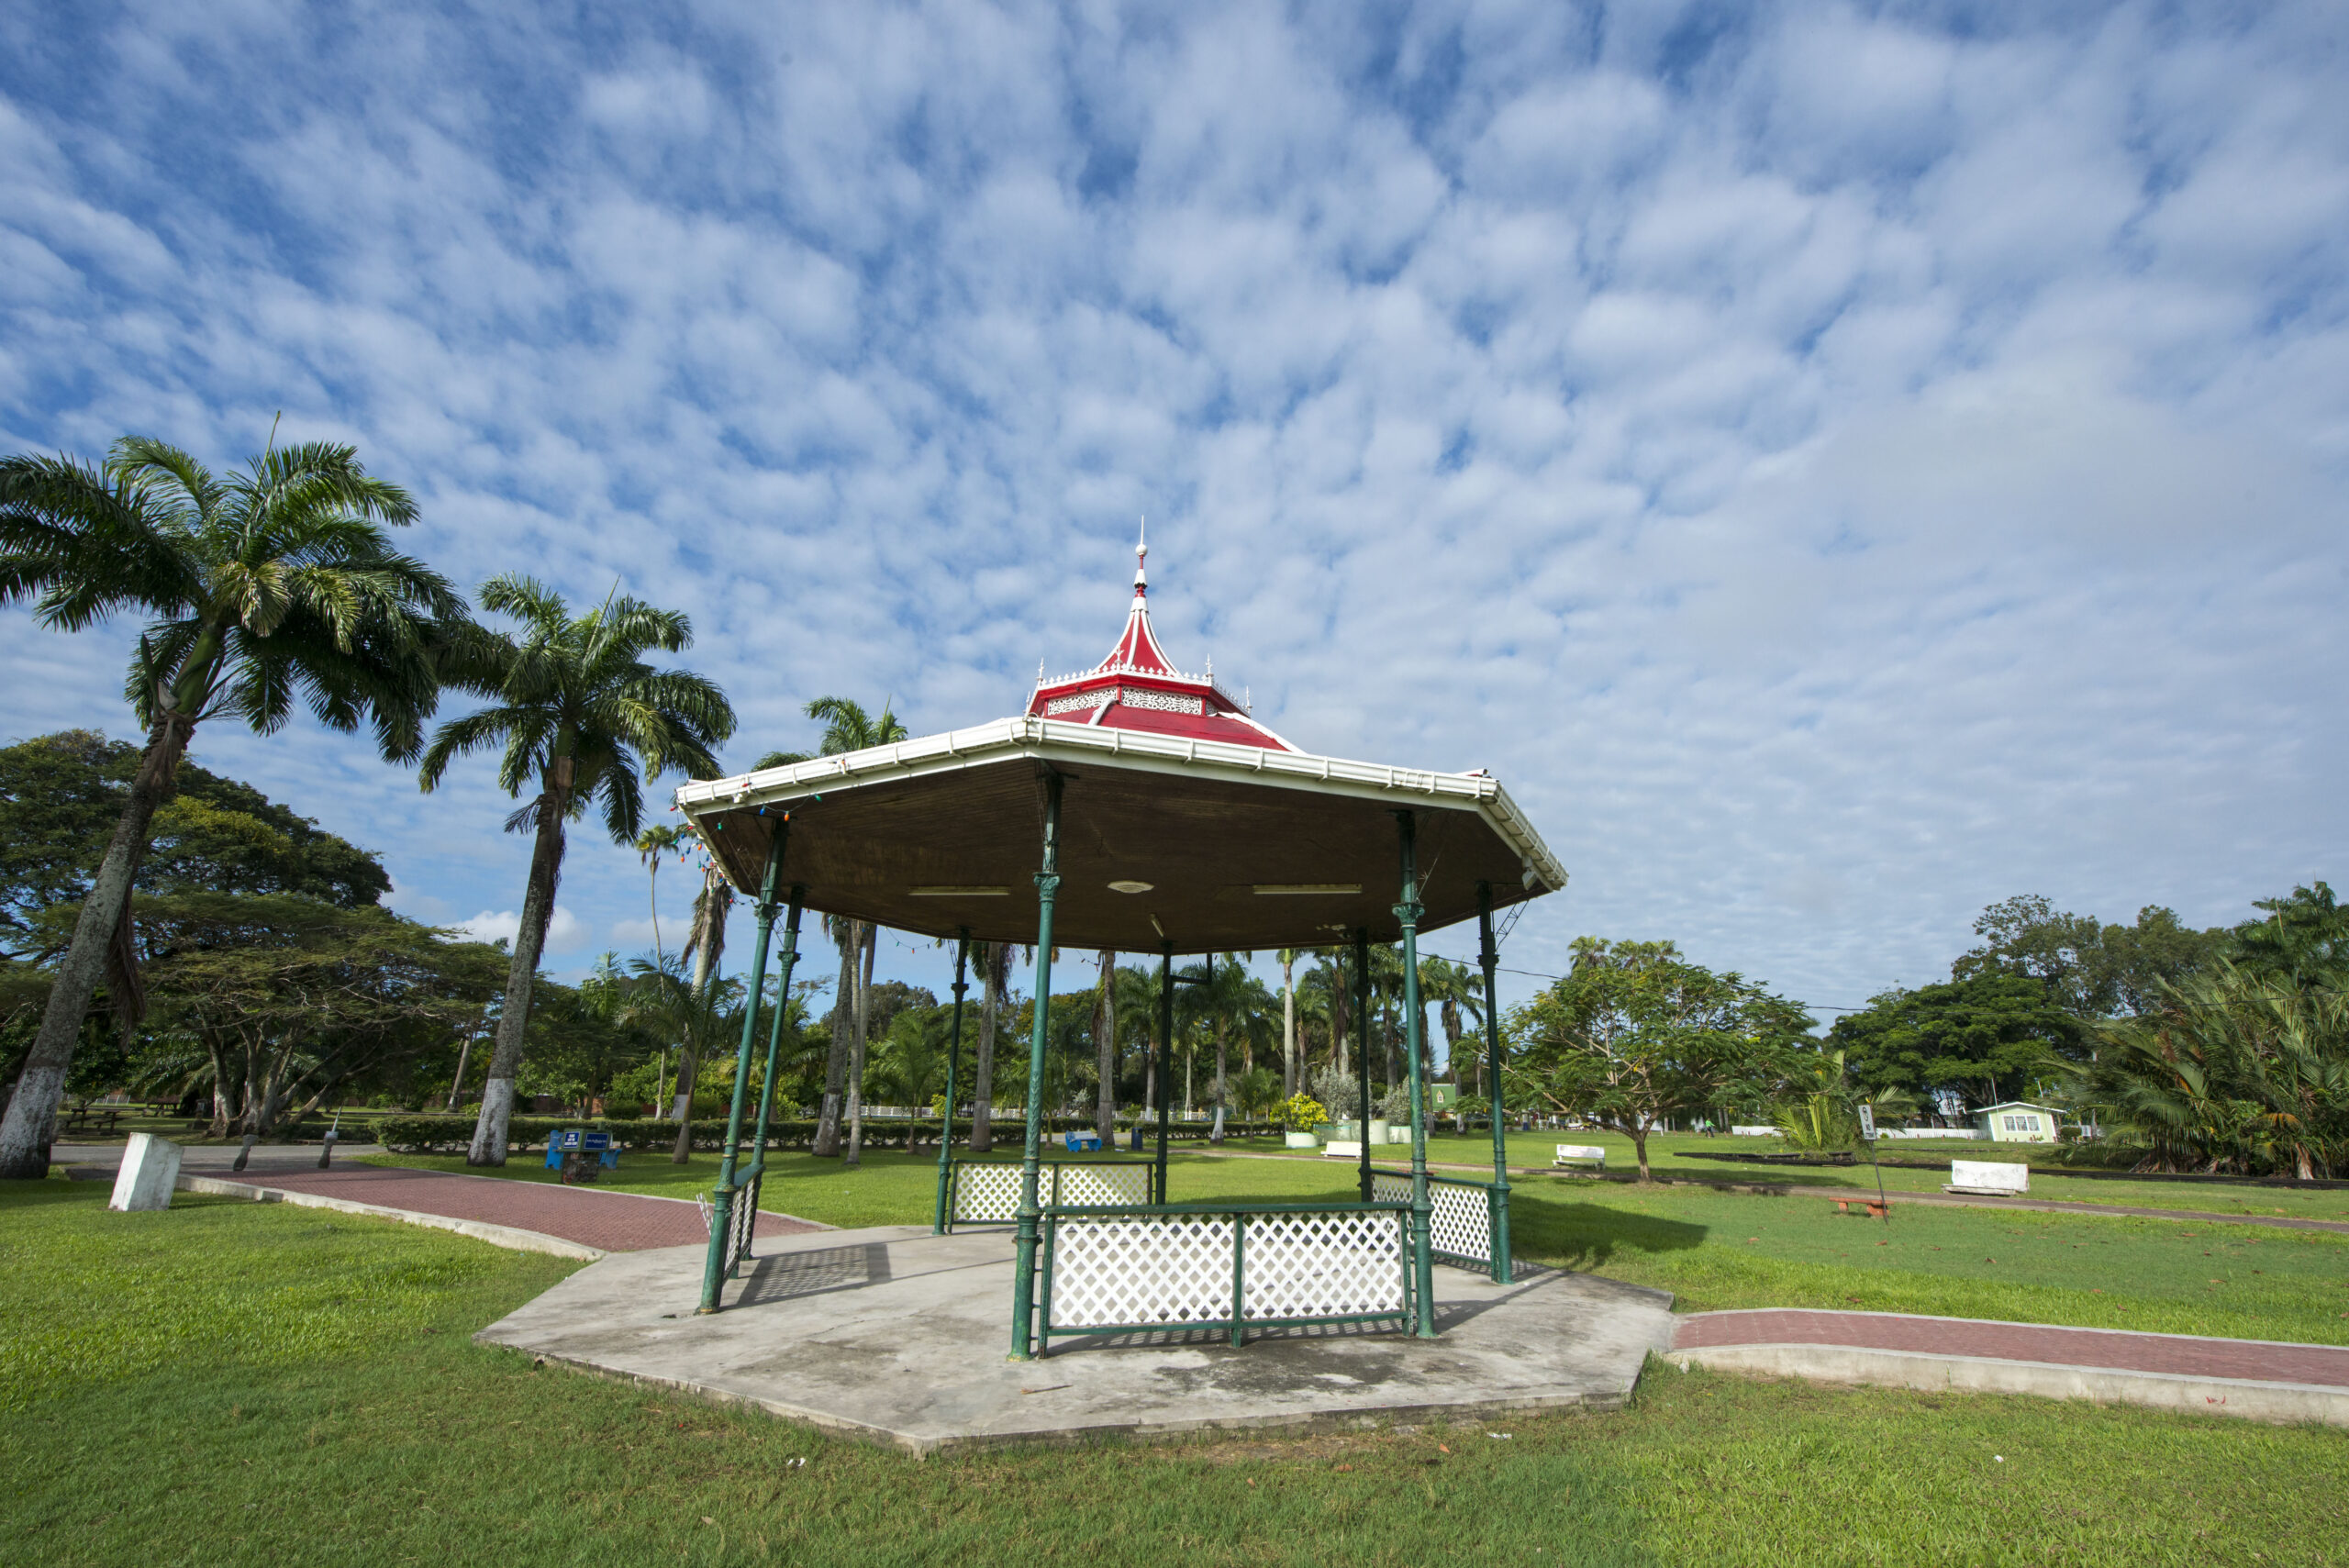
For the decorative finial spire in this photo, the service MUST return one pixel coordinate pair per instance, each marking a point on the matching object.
(1142, 556)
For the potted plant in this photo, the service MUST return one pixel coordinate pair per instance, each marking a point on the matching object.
(1300, 1115)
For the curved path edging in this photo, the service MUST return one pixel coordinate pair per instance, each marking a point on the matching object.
(2175, 1372)
(510, 1236)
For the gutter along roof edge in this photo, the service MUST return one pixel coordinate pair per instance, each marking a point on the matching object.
(1055, 741)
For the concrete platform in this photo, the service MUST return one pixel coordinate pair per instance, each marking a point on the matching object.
(898, 1337)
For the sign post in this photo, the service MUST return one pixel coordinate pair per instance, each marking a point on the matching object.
(1868, 1133)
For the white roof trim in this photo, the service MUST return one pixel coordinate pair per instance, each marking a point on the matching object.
(1049, 740)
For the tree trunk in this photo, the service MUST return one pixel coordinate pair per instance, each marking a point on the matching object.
(514, 1013)
(709, 943)
(1640, 1147)
(993, 956)
(30, 1125)
(1222, 1051)
(826, 1145)
(1288, 1025)
(1105, 1043)
(464, 1056)
(870, 940)
(1341, 1021)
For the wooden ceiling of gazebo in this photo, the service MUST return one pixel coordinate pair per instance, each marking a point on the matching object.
(1212, 848)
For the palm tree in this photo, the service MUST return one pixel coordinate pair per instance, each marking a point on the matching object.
(995, 983)
(274, 583)
(650, 845)
(1454, 988)
(1105, 1046)
(577, 712)
(848, 728)
(1288, 957)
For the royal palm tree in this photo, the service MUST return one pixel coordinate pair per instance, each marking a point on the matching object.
(271, 585)
(576, 714)
(1455, 989)
(994, 984)
(848, 728)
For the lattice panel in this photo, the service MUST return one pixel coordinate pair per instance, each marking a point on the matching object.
(986, 1194)
(1142, 1269)
(1161, 702)
(1323, 1265)
(1080, 702)
(1093, 1185)
(1460, 1218)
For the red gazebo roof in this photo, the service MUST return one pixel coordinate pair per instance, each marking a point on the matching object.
(1136, 687)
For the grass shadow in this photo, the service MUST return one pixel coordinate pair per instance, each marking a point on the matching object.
(1586, 1236)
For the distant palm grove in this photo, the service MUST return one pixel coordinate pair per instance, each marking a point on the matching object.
(180, 936)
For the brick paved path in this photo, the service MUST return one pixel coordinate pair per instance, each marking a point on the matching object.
(2185, 1355)
(616, 1222)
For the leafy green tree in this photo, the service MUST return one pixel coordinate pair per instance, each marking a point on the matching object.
(290, 999)
(274, 584)
(1973, 1034)
(1636, 1033)
(576, 714)
(2090, 970)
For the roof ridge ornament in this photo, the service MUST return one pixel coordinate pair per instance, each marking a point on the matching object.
(1142, 556)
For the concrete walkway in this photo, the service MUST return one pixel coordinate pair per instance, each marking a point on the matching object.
(591, 1220)
(2263, 1379)
(898, 1336)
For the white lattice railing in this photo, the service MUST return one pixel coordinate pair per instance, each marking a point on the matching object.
(1460, 1218)
(1109, 1271)
(988, 1193)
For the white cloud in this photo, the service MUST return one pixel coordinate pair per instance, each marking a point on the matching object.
(565, 930)
(1837, 472)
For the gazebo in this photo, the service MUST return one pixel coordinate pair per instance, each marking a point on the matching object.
(1137, 808)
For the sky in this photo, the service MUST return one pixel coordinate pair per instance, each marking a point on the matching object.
(1838, 466)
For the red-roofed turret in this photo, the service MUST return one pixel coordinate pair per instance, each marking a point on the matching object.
(1137, 687)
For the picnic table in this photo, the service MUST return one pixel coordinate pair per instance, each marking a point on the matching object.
(88, 1120)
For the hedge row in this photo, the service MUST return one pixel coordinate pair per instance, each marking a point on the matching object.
(454, 1135)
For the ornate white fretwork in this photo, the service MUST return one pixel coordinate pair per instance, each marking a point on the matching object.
(1161, 702)
(1148, 1269)
(1079, 702)
(1460, 1218)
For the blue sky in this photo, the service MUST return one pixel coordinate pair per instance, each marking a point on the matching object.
(1839, 466)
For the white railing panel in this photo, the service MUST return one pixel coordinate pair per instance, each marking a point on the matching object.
(1146, 1269)
(1323, 1265)
(1460, 1218)
(1084, 1186)
(986, 1194)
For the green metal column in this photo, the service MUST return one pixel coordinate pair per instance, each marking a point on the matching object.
(1362, 1057)
(1406, 912)
(1491, 957)
(953, 1049)
(789, 959)
(712, 1272)
(1166, 1052)
(1023, 1275)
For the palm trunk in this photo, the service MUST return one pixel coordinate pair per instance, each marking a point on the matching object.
(30, 1125)
(1222, 1051)
(1288, 1027)
(709, 943)
(826, 1145)
(1339, 1020)
(1104, 1041)
(514, 1013)
(868, 941)
(992, 958)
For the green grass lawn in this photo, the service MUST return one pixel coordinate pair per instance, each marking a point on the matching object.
(232, 1383)
(1716, 1249)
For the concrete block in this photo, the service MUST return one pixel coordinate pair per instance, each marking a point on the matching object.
(151, 1168)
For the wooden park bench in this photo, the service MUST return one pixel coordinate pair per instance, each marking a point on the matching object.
(1878, 1208)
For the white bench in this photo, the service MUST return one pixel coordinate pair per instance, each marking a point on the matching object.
(1338, 1151)
(1569, 1153)
(1987, 1178)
